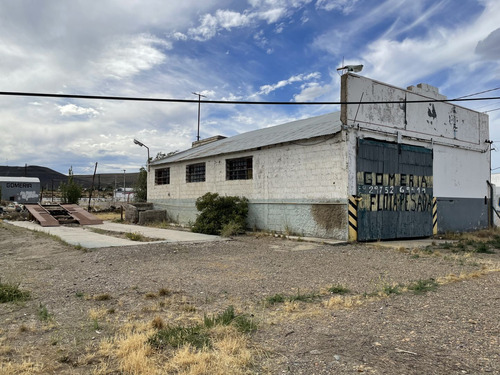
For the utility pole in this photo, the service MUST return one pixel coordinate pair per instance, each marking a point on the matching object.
(199, 109)
(124, 185)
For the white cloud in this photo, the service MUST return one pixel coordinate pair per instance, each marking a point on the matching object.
(74, 110)
(404, 62)
(129, 55)
(179, 36)
(272, 15)
(489, 48)
(223, 19)
(266, 89)
(345, 6)
(311, 91)
(269, 11)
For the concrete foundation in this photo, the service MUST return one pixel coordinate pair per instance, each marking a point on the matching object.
(152, 216)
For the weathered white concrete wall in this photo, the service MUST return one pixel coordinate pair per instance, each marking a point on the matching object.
(441, 122)
(457, 136)
(300, 187)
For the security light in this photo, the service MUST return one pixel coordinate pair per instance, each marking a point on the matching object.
(352, 68)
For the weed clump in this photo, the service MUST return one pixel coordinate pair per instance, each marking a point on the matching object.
(135, 236)
(102, 297)
(43, 313)
(219, 214)
(338, 289)
(11, 293)
(483, 249)
(281, 298)
(423, 286)
(198, 336)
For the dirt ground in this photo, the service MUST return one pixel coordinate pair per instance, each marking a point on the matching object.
(379, 327)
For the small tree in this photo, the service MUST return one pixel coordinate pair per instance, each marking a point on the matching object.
(141, 186)
(218, 213)
(71, 192)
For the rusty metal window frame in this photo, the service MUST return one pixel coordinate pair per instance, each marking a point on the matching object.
(239, 168)
(162, 176)
(195, 172)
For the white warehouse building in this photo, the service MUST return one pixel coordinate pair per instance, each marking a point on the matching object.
(402, 164)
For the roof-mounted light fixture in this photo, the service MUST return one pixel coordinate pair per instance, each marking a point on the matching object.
(350, 68)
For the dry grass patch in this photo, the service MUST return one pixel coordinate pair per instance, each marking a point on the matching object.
(130, 351)
(230, 354)
(452, 278)
(95, 315)
(102, 297)
(108, 216)
(337, 302)
(25, 368)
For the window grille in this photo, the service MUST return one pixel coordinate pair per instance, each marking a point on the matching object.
(195, 172)
(239, 169)
(162, 176)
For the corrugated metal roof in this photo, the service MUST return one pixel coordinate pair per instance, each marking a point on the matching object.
(293, 131)
(19, 179)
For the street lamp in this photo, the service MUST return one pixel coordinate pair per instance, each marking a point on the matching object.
(142, 145)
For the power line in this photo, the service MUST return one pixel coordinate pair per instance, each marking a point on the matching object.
(142, 99)
(478, 93)
(492, 110)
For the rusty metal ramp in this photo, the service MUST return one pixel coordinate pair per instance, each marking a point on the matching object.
(80, 215)
(54, 215)
(41, 215)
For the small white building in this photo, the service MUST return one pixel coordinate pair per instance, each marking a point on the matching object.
(396, 163)
(20, 189)
(124, 195)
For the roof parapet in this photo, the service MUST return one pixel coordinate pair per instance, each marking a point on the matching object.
(427, 90)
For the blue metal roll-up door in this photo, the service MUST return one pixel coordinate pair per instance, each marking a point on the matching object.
(394, 188)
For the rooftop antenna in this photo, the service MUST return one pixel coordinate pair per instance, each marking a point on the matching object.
(199, 108)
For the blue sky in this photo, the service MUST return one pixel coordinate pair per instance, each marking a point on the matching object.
(263, 50)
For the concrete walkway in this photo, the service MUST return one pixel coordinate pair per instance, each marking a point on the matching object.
(83, 236)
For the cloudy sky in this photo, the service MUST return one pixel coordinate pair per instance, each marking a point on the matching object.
(248, 50)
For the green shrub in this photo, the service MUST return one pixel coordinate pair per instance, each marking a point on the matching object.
(217, 212)
(232, 229)
(71, 192)
(11, 292)
(141, 186)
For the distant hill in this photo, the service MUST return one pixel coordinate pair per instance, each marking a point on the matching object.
(108, 180)
(48, 177)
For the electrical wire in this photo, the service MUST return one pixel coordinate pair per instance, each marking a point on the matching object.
(492, 110)
(477, 93)
(142, 99)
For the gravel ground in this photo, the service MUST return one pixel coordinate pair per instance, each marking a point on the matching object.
(452, 330)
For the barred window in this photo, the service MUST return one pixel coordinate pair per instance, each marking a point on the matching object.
(195, 172)
(162, 176)
(239, 169)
